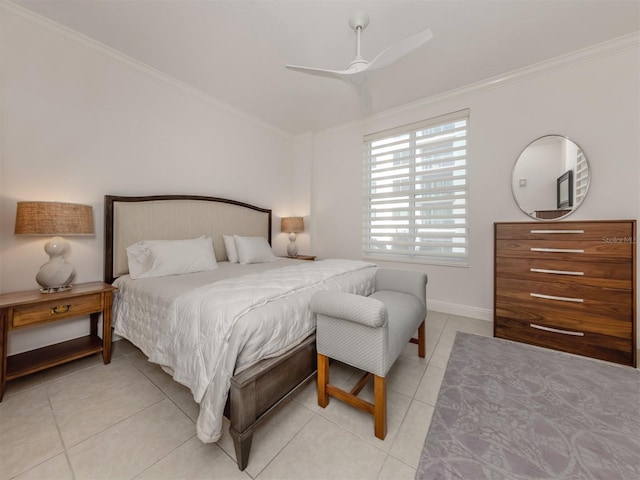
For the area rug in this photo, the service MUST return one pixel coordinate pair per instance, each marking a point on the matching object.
(507, 410)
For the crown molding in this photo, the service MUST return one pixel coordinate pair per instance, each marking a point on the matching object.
(609, 47)
(79, 40)
(603, 49)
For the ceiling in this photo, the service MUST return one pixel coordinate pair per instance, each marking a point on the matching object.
(236, 50)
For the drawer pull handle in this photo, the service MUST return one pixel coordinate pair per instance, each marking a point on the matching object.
(557, 250)
(60, 309)
(555, 272)
(555, 330)
(557, 231)
(553, 297)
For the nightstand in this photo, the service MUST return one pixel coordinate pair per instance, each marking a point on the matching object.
(304, 257)
(21, 310)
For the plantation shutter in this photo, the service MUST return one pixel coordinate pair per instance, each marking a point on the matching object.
(415, 189)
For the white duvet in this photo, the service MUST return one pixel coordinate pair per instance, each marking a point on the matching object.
(206, 331)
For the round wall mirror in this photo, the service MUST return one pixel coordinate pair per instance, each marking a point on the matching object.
(550, 178)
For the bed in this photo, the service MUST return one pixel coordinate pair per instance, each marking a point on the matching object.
(241, 336)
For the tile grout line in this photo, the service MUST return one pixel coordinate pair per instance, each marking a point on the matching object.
(44, 384)
(167, 397)
(311, 417)
(64, 445)
(414, 399)
(128, 357)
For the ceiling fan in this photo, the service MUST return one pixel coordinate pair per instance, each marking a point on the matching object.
(356, 73)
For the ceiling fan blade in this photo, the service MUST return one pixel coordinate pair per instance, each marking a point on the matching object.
(321, 72)
(402, 48)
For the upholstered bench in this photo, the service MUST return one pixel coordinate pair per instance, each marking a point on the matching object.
(369, 333)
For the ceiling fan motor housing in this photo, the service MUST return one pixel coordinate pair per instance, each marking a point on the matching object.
(358, 20)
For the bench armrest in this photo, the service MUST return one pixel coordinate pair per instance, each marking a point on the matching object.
(404, 281)
(355, 308)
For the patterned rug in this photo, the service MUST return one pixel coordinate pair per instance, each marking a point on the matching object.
(507, 410)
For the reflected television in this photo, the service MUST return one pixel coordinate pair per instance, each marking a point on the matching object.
(565, 190)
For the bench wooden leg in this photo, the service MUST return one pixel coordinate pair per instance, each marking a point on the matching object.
(422, 342)
(380, 406)
(323, 380)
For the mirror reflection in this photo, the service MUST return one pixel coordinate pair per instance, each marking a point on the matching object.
(550, 178)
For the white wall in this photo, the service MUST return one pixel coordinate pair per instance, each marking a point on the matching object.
(79, 123)
(301, 189)
(592, 99)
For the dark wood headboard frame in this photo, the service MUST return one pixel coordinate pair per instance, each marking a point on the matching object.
(109, 201)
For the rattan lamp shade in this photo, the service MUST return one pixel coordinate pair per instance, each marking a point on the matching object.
(292, 224)
(53, 218)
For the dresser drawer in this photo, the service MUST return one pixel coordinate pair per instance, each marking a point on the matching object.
(583, 299)
(56, 310)
(606, 232)
(564, 319)
(577, 250)
(608, 274)
(604, 347)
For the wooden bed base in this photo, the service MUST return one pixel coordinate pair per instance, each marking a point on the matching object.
(260, 390)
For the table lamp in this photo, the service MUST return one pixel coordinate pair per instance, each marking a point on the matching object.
(292, 225)
(54, 218)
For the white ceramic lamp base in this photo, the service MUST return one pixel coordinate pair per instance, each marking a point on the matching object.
(292, 248)
(57, 274)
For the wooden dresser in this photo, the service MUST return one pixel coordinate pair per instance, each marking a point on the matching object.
(568, 286)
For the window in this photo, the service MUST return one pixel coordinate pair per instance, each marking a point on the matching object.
(582, 177)
(415, 205)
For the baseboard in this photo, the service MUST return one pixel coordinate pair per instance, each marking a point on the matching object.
(462, 310)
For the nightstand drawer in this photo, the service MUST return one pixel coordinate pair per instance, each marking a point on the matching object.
(56, 310)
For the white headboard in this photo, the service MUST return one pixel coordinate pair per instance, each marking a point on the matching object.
(173, 217)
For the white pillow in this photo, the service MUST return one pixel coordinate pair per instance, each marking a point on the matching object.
(253, 250)
(139, 257)
(159, 258)
(230, 247)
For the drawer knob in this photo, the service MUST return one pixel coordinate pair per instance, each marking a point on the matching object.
(60, 309)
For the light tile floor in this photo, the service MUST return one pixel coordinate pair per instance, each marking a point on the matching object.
(128, 419)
